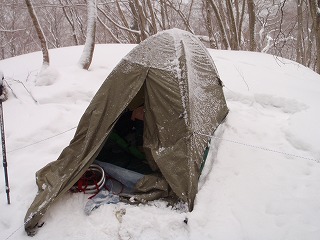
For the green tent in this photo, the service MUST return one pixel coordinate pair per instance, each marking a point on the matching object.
(174, 76)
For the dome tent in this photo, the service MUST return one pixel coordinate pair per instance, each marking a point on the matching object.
(174, 76)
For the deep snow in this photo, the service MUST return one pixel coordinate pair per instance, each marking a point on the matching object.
(261, 180)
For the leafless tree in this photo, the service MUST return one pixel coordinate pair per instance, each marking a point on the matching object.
(300, 33)
(36, 24)
(177, 8)
(240, 11)
(10, 30)
(284, 28)
(315, 13)
(165, 23)
(252, 22)
(208, 13)
(87, 54)
(224, 38)
(71, 20)
(232, 26)
(152, 16)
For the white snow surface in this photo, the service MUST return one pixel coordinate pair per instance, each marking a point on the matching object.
(261, 180)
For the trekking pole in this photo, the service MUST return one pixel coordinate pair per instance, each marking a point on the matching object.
(5, 165)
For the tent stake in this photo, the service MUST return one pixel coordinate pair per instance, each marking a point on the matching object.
(5, 165)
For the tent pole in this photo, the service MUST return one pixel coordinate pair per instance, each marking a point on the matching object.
(5, 165)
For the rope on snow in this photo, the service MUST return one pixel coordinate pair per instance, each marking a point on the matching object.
(258, 147)
(198, 133)
(13, 150)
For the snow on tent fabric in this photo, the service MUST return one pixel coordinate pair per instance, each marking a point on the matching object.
(174, 76)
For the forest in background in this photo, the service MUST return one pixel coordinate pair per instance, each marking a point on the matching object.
(285, 28)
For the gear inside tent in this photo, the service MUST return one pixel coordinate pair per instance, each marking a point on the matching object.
(172, 77)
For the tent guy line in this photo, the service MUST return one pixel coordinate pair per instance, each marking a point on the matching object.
(21, 226)
(258, 147)
(15, 231)
(31, 144)
(202, 134)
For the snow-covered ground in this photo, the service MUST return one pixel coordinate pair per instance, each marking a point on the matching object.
(261, 180)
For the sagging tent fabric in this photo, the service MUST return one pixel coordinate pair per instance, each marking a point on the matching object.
(174, 76)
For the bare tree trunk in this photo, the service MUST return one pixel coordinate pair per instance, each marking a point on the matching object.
(224, 20)
(309, 38)
(239, 19)
(315, 13)
(142, 19)
(209, 25)
(135, 20)
(232, 26)
(252, 22)
(167, 14)
(163, 14)
(43, 42)
(299, 48)
(71, 22)
(220, 24)
(153, 18)
(236, 6)
(78, 20)
(125, 22)
(87, 54)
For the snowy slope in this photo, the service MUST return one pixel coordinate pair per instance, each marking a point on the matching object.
(262, 180)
